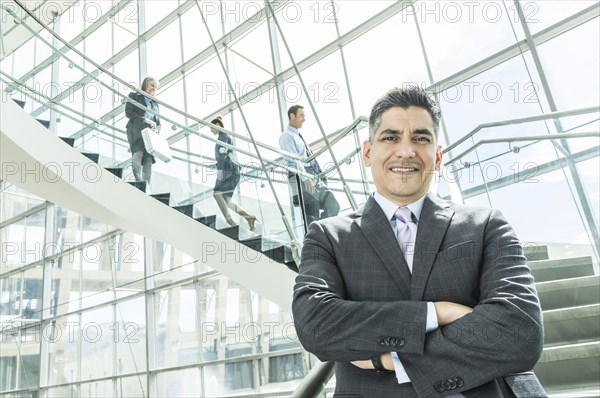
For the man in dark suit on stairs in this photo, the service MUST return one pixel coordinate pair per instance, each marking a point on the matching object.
(413, 296)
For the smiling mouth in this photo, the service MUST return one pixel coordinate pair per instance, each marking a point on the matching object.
(404, 169)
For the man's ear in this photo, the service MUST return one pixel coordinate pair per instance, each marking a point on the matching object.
(438, 157)
(367, 153)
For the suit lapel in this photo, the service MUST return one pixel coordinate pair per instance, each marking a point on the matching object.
(433, 223)
(379, 234)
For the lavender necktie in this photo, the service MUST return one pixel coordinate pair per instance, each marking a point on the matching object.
(406, 234)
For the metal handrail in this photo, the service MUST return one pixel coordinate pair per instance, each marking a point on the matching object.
(528, 119)
(161, 103)
(560, 136)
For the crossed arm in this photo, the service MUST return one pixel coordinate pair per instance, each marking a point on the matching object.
(446, 311)
(501, 334)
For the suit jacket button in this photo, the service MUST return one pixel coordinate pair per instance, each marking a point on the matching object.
(459, 382)
(383, 341)
(446, 384)
(393, 341)
(438, 387)
(452, 384)
(402, 342)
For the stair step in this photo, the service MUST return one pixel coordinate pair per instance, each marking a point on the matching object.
(118, 171)
(582, 392)
(94, 157)
(571, 325)
(20, 103)
(534, 252)
(231, 232)
(566, 293)
(575, 365)
(68, 141)
(254, 243)
(281, 254)
(293, 266)
(141, 185)
(552, 270)
(162, 197)
(209, 221)
(45, 123)
(188, 210)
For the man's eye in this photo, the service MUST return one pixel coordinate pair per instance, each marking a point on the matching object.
(422, 139)
(389, 138)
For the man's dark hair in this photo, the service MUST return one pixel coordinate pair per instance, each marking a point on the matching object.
(294, 110)
(403, 98)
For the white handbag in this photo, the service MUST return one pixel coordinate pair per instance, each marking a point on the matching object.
(156, 145)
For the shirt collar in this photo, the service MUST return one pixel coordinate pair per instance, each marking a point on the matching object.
(293, 130)
(389, 207)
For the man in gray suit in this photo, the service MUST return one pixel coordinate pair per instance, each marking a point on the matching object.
(413, 296)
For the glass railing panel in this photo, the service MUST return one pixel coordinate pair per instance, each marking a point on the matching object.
(465, 160)
(348, 154)
(87, 105)
(535, 174)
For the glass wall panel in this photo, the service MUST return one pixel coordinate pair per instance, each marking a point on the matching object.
(98, 44)
(349, 14)
(132, 386)
(170, 384)
(102, 388)
(158, 10)
(63, 336)
(127, 69)
(15, 201)
(164, 50)
(501, 93)
(473, 30)
(582, 73)
(131, 341)
(195, 37)
(295, 19)
(12, 237)
(99, 332)
(66, 283)
(370, 79)
(541, 14)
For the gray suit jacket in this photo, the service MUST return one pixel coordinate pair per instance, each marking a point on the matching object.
(355, 299)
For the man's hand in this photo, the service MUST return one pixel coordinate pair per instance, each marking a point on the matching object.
(310, 186)
(386, 361)
(448, 312)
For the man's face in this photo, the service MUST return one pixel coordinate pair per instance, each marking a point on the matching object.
(151, 87)
(297, 120)
(403, 155)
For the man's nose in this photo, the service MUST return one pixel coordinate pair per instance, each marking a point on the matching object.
(404, 149)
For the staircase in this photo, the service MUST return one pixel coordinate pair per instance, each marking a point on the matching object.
(570, 297)
(569, 290)
(118, 203)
